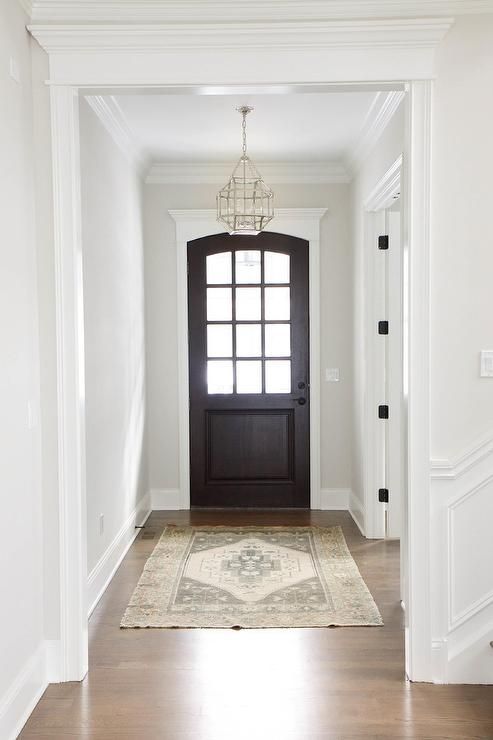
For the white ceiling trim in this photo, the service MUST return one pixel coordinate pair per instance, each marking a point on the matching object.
(301, 173)
(141, 11)
(113, 119)
(415, 33)
(377, 120)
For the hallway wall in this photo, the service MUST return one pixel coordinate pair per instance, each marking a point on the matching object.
(114, 344)
(462, 258)
(336, 322)
(21, 563)
(461, 326)
(385, 153)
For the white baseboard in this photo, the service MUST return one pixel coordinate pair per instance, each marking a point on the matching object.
(342, 499)
(53, 660)
(356, 512)
(165, 499)
(334, 499)
(104, 570)
(23, 695)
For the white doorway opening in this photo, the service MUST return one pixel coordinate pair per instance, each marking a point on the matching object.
(73, 607)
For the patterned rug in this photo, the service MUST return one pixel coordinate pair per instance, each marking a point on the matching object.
(251, 577)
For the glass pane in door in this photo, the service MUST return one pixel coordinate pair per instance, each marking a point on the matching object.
(248, 376)
(219, 376)
(277, 305)
(276, 267)
(218, 267)
(278, 376)
(219, 304)
(248, 304)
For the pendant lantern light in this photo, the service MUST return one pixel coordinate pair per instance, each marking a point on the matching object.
(245, 205)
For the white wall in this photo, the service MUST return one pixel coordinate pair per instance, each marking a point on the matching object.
(462, 325)
(462, 237)
(385, 153)
(47, 332)
(21, 562)
(114, 337)
(336, 323)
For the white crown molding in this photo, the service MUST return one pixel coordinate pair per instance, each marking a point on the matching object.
(443, 469)
(184, 215)
(414, 33)
(135, 11)
(387, 189)
(185, 173)
(113, 119)
(383, 108)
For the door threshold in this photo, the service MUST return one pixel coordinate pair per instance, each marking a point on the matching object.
(249, 508)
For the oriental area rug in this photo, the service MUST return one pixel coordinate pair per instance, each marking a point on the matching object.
(251, 577)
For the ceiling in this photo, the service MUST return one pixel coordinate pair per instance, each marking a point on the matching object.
(310, 127)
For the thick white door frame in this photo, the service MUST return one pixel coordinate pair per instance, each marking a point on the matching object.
(301, 222)
(375, 309)
(394, 361)
(70, 365)
(415, 543)
(72, 510)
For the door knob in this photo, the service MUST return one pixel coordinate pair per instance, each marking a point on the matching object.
(301, 401)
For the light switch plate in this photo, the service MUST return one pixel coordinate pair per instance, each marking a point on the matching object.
(332, 374)
(486, 363)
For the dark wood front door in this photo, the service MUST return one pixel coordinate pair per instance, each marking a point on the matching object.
(248, 355)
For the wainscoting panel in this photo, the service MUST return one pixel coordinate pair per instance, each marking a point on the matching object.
(462, 579)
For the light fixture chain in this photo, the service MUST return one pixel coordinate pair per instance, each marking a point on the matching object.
(244, 110)
(243, 126)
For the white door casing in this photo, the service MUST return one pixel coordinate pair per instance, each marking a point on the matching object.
(104, 58)
(394, 360)
(301, 222)
(377, 431)
(383, 285)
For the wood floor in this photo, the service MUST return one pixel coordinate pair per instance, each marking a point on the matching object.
(292, 684)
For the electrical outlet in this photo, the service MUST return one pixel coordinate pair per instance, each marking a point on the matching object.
(101, 523)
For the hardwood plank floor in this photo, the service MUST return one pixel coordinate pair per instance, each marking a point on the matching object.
(274, 684)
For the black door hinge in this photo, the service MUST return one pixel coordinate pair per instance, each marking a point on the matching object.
(383, 327)
(383, 241)
(383, 411)
(383, 495)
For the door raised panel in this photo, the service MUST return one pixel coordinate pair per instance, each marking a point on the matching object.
(250, 445)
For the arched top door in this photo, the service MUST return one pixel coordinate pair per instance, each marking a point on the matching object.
(248, 355)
